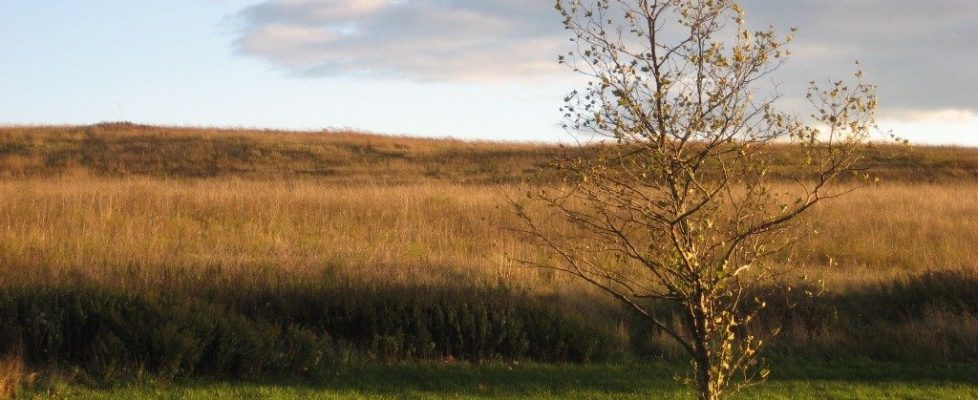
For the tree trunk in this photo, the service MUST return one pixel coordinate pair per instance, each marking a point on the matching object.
(700, 317)
(704, 380)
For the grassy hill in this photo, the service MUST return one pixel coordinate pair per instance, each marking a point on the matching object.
(123, 149)
(131, 251)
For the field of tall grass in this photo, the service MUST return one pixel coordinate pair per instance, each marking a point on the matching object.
(188, 252)
(142, 232)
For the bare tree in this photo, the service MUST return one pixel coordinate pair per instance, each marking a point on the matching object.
(703, 177)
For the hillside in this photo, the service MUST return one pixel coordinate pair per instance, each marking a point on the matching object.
(123, 149)
(133, 251)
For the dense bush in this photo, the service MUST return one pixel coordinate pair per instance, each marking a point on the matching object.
(294, 333)
(105, 334)
(435, 323)
(931, 317)
(925, 318)
(234, 332)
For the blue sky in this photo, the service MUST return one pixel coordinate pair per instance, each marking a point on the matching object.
(464, 68)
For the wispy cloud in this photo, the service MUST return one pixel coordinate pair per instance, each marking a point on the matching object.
(413, 39)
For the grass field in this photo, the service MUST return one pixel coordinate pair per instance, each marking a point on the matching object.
(143, 254)
(622, 381)
(156, 229)
(124, 149)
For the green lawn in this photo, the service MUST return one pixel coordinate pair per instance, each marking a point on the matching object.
(457, 381)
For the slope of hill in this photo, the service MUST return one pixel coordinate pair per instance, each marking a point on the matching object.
(130, 251)
(124, 149)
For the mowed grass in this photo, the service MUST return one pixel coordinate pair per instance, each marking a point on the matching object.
(507, 381)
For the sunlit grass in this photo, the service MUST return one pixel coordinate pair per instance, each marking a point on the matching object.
(213, 217)
(157, 231)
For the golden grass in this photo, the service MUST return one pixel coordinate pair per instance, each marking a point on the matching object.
(118, 150)
(122, 149)
(134, 206)
(145, 232)
(150, 229)
(13, 375)
(891, 229)
(153, 210)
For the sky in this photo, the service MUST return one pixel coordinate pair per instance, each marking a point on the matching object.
(471, 69)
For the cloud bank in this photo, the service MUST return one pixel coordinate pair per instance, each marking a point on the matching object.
(923, 54)
(440, 40)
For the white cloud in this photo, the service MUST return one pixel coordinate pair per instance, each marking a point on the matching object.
(922, 54)
(414, 39)
(934, 127)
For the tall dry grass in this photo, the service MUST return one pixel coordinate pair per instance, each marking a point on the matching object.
(292, 240)
(889, 230)
(147, 232)
(13, 376)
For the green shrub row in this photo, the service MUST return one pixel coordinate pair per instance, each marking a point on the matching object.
(926, 318)
(105, 334)
(931, 317)
(435, 323)
(284, 333)
(234, 332)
